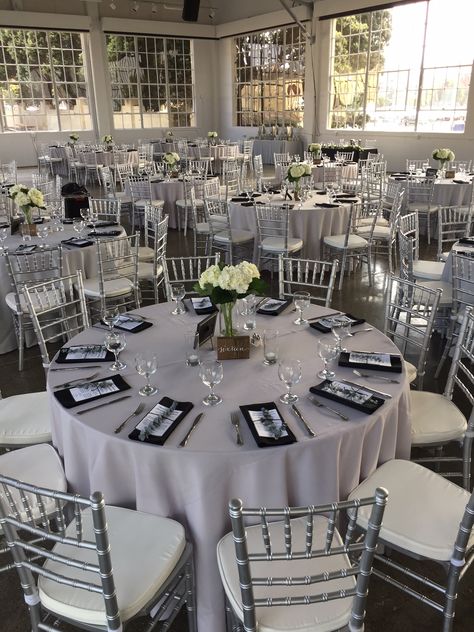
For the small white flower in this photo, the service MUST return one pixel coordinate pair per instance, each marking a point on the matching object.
(314, 147)
(36, 197)
(22, 199)
(210, 276)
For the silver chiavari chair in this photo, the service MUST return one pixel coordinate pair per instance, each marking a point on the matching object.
(296, 565)
(313, 276)
(344, 156)
(150, 273)
(422, 269)
(273, 234)
(183, 206)
(199, 227)
(454, 222)
(153, 216)
(186, 270)
(107, 179)
(332, 174)
(234, 242)
(420, 199)
(410, 313)
(141, 193)
(57, 310)
(107, 210)
(107, 561)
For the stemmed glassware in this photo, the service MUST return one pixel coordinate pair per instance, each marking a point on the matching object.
(42, 230)
(211, 373)
(301, 301)
(78, 226)
(341, 331)
(85, 214)
(93, 218)
(146, 364)
(326, 352)
(178, 292)
(289, 372)
(116, 343)
(111, 317)
(3, 236)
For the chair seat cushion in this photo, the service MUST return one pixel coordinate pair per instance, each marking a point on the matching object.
(145, 253)
(115, 287)
(25, 419)
(380, 221)
(423, 511)
(338, 241)
(429, 270)
(330, 615)
(145, 270)
(411, 371)
(144, 548)
(10, 301)
(277, 244)
(236, 237)
(447, 290)
(202, 228)
(435, 419)
(143, 203)
(187, 203)
(444, 256)
(424, 207)
(120, 195)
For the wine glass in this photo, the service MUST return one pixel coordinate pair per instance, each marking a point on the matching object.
(146, 364)
(42, 230)
(412, 168)
(289, 372)
(326, 352)
(211, 373)
(116, 343)
(78, 226)
(3, 235)
(301, 301)
(178, 292)
(341, 331)
(93, 218)
(110, 316)
(85, 214)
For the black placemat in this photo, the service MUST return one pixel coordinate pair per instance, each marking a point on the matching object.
(273, 306)
(394, 359)
(323, 328)
(287, 436)
(105, 233)
(349, 395)
(65, 352)
(157, 425)
(98, 389)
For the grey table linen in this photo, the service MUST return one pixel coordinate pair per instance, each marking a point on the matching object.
(194, 484)
(267, 147)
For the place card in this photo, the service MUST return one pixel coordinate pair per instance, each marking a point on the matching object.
(273, 306)
(348, 394)
(90, 391)
(84, 353)
(371, 360)
(325, 325)
(267, 426)
(157, 425)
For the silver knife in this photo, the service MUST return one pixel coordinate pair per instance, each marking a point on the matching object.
(367, 388)
(303, 421)
(325, 316)
(76, 368)
(112, 401)
(190, 431)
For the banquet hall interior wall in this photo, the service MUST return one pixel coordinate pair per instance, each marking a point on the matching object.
(212, 41)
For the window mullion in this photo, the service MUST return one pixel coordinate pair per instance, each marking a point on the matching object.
(53, 80)
(167, 83)
(422, 69)
(139, 83)
(367, 66)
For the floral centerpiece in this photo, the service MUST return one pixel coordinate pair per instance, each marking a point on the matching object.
(315, 149)
(108, 140)
(443, 155)
(212, 136)
(73, 138)
(225, 284)
(171, 160)
(169, 135)
(26, 199)
(295, 172)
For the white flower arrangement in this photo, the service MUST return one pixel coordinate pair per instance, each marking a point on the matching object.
(169, 134)
(108, 139)
(212, 134)
(314, 148)
(171, 158)
(297, 170)
(74, 137)
(444, 154)
(26, 199)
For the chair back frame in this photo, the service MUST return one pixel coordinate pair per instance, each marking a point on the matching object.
(186, 270)
(309, 275)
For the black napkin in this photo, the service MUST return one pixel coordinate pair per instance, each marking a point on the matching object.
(250, 203)
(105, 233)
(273, 306)
(261, 441)
(201, 305)
(328, 205)
(460, 182)
(131, 324)
(103, 224)
(182, 407)
(22, 248)
(77, 242)
(62, 357)
(395, 362)
(67, 220)
(240, 198)
(325, 330)
(321, 192)
(346, 395)
(117, 382)
(466, 240)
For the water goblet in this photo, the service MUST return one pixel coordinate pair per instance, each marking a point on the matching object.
(211, 373)
(110, 317)
(178, 292)
(78, 226)
(301, 301)
(146, 364)
(289, 372)
(42, 230)
(326, 352)
(93, 218)
(116, 343)
(3, 235)
(85, 214)
(341, 331)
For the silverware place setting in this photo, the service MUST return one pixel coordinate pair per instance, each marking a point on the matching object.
(367, 376)
(197, 419)
(136, 412)
(320, 404)
(76, 368)
(235, 421)
(79, 382)
(108, 403)
(305, 424)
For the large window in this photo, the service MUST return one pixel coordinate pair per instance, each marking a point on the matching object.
(269, 78)
(152, 81)
(43, 83)
(406, 68)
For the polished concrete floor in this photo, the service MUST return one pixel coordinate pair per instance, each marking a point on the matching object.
(387, 609)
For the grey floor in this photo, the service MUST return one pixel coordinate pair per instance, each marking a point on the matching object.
(388, 609)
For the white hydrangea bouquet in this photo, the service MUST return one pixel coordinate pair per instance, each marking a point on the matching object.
(443, 155)
(295, 172)
(315, 148)
(212, 134)
(26, 199)
(225, 284)
(73, 138)
(107, 139)
(171, 158)
(169, 134)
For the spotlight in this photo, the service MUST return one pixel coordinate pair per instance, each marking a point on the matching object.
(112, 5)
(154, 8)
(135, 7)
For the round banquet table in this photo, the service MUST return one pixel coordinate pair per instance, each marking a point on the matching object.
(449, 193)
(194, 484)
(309, 223)
(84, 259)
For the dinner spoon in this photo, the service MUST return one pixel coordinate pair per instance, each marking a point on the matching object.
(376, 377)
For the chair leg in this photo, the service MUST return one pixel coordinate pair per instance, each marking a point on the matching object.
(190, 592)
(21, 343)
(447, 347)
(343, 266)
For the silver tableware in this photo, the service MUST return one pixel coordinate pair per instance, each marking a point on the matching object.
(113, 401)
(325, 316)
(367, 388)
(303, 421)
(79, 382)
(375, 377)
(136, 412)
(76, 368)
(234, 417)
(191, 430)
(319, 404)
(361, 331)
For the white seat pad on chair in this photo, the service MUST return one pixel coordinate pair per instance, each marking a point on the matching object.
(338, 241)
(238, 236)
(411, 371)
(115, 287)
(143, 203)
(145, 270)
(423, 511)
(10, 301)
(25, 419)
(447, 289)
(145, 253)
(330, 615)
(429, 270)
(277, 244)
(144, 549)
(435, 419)
(187, 203)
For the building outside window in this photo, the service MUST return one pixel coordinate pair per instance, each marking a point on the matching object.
(151, 80)
(43, 81)
(407, 68)
(269, 69)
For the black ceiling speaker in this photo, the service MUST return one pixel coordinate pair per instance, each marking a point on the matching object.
(191, 10)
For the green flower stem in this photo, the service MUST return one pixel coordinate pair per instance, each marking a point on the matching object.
(226, 309)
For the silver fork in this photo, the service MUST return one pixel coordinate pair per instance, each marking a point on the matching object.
(319, 404)
(234, 418)
(78, 382)
(136, 412)
(375, 377)
(361, 331)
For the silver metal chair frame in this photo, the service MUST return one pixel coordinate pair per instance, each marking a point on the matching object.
(107, 210)
(186, 270)
(454, 222)
(311, 275)
(157, 239)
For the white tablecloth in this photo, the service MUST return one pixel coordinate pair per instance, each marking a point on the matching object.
(194, 484)
(449, 193)
(266, 148)
(448, 266)
(309, 223)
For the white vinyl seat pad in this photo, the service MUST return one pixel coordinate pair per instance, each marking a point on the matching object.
(322, 617)
(25, 419)
(114, 287)
(11, 302)
(435, 419)
(145, 270)
(235, 236)
(143, 203)
(410, 370)
(447, 290)
(423, 510)
(202, 228)
(187, 203)
(144, 549)
(145, 253)
(338, 241)
(429, 270)
(277, 244)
